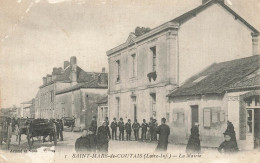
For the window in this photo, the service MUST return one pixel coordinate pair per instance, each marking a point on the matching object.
(213, 116)
(52, 96)
(167, 117)
(153, 51)
(153, 96)
(118, 70)
(133, 65)
(118, 107)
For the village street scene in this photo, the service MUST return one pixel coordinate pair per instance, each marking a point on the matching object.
(188, 85)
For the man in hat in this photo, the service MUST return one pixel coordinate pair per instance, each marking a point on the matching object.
(60, 129)
(193, 145)
(151, 129)
(164, 131)
(128, 130)
(114, 129)
(136, 127)
(93, 124)
(121, 127)
(103, 137)
(82, 143)
(144, 130)
(228, 146)
(155, 124)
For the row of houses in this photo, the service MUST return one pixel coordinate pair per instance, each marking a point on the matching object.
(68, 92)
(201, 67)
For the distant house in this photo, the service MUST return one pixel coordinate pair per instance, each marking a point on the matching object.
(150, 64)
(28, 109)
(223, 91)
(80, 100)
(102, 110)
(68, 76)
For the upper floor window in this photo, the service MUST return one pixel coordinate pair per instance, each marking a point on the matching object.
(133, 65)
(52, 96)
(153, 52)
(118, 70)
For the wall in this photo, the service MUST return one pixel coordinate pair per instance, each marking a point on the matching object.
(210, 136)
(212, 36)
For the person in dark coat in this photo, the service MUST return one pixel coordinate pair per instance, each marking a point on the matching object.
(136, 127)
(103, 136)
(231, 129)
(82, 143)
(114, 129)
(155, 124)
(92, 140)
(193, 145)
(128, 130)
(151, 129)
(228, 146)
(93, 124)
(164, 131)
(121, 127)
(144, 130)
(60, 129)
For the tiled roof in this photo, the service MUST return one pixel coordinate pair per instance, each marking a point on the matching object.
(222, 76)
(95, 83)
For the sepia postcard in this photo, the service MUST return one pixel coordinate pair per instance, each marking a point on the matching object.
(129, 81)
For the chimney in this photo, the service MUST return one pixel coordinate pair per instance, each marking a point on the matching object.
(49, 78)
(73, 60)
(73, 75)
(54, 73)
(102, 79)
(44, 79)
(103, 69)
(66, 64)
(255, 43)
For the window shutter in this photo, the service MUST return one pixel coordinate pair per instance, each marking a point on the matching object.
(222, 116)
(207, 117)
(242, 120)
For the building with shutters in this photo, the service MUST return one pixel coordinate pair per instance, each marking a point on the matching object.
(145, 68)
(223, 91)
(65, 81)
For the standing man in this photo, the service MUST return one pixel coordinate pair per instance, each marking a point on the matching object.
(114, 128)
(151, 129)
(136, 127)
(128, 130)
(121, 127)
(93, 124)
(164, 131)
(155, 124)
(107, 121)
(144, 130)
(103, 137)
(60, 131)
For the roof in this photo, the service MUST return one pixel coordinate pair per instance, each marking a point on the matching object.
(103, 101)
(95, 83)
(223, 76)
(82, 76)
(181, 20)
(192, 13)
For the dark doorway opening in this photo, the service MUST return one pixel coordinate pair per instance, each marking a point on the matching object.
(194, 114)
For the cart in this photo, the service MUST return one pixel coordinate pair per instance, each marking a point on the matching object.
(69, 122)
(41, 127)
(22, 127)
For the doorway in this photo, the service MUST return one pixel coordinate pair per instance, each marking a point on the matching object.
(194, 114)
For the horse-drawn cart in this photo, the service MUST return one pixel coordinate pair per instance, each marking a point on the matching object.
(69, 122)
(41, 127)
(5, 130)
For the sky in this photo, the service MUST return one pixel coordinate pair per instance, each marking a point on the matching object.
(37, 35)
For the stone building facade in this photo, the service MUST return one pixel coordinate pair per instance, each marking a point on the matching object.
(144, 69)
(227, 91)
